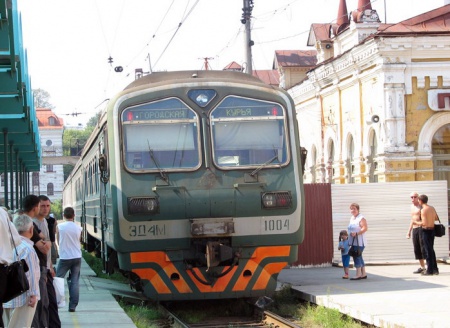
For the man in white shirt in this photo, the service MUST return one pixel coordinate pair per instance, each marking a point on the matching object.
(6, 253)
(68, 235)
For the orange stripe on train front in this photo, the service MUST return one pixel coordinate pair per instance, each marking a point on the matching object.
(152, 275)
(259, 255)
(219, 285)
(162, 260)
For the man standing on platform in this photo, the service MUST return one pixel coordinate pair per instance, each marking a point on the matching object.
(416, 229)
(30, 207)
(68, 235)
(41, 222)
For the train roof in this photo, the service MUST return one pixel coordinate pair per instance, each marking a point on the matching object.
(166, 77)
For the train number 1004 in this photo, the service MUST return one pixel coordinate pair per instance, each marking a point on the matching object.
(276, 225)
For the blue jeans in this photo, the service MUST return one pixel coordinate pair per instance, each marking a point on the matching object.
(358, 260)
(74, 266)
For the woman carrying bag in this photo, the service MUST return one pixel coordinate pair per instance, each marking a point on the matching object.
(357, 229)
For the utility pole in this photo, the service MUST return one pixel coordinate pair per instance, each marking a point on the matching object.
(246, 17)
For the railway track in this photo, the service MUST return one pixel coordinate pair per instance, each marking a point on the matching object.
(265, 319)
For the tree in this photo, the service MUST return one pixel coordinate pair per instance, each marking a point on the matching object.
(42, 99)
(94, 119)
(73, 143)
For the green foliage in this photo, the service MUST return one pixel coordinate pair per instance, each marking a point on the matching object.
(97, 266)
(42, 99)
(94, 120)
(143, 317)
(73, 143)
(56, 209)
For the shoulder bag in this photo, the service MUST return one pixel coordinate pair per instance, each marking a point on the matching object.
(439, 228)
(354, 250)
(16, 281)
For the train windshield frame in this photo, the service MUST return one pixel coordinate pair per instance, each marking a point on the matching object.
(161, 135)
(248, 133)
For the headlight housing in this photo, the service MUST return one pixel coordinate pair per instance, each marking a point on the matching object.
(276, 199)
(143, 205)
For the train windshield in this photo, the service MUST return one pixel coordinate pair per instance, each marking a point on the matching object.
(249, 133)
(162, 135)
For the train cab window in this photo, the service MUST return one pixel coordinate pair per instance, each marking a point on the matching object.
(248, 133)
(161, 135)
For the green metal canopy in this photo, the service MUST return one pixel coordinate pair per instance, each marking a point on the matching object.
(19, 142)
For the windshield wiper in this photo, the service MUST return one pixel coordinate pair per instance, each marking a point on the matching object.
(155, 161)
(263, 165)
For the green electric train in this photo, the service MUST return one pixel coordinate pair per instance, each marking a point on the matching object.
(191, 185)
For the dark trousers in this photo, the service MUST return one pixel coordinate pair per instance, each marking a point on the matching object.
(40, 319)
(53, 316)
(430, 255)
(3, 283)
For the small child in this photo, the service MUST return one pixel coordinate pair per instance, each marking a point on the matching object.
(343, 246)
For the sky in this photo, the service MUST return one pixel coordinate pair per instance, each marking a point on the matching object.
(69, 42)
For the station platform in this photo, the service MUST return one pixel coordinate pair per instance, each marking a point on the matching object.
(97, 306)
(391, 296)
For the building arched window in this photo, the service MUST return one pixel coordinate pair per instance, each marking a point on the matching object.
(50, 190)
(51, 121)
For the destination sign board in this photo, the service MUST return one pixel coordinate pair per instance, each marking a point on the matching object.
(241, 107)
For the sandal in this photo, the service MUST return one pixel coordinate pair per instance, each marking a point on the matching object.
(345, 276)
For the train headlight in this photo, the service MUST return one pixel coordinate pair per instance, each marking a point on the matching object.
(202, 97)
(143, 205)
(278, 199)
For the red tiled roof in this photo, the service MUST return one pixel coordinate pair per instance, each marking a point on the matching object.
(233, 66)
(434, 21)
(318, 32)
(271, 77)
(43, 115)
(296, 58)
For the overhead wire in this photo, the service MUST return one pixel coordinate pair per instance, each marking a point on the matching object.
(176, 31)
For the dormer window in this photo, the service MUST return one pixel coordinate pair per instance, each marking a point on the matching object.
(51, 121)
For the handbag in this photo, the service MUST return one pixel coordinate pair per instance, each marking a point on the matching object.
(16, 279)
(439, 228)
(354, 250)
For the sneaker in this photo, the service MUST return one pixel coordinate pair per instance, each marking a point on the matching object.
(419, 270)
(71, 310)
(424, 273)
(436, 273)
(345, 276)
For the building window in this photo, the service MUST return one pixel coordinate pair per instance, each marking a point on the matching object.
(51, 121)
(35, 179)
(50, 191)
(49, 142)
(49, 168)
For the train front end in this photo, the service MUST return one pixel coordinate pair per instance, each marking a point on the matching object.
(206, 185)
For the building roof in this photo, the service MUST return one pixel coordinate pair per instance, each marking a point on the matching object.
(233, 66)
(295, 58)
(44, 116)
(268, 76)
(434, 21)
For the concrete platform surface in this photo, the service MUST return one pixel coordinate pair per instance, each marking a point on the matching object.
(391, 296)
(97, 306)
